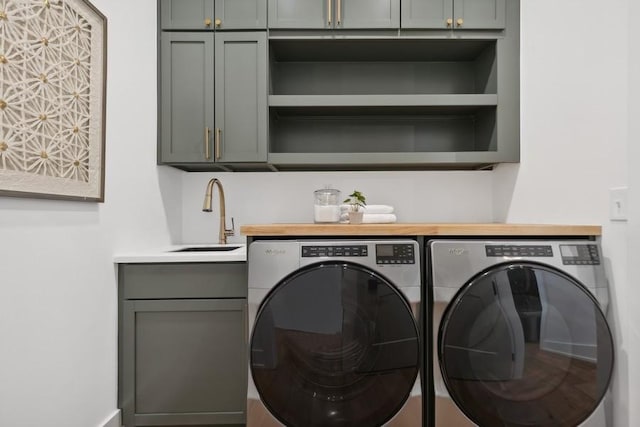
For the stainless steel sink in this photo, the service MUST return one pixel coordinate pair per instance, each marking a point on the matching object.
(207, 249)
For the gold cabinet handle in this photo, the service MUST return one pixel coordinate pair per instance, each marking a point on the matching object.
(459, 22)
(218, 154)
(218, 22)
(207, 22)
(339, 12)
(329, 12)
(449, 22)
(207, 154)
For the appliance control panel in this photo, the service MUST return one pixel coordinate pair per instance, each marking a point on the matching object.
(519, 250)
(395, 253)
(579, 254)
(313, 251)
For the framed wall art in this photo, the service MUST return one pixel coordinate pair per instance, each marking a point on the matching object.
(52, 99)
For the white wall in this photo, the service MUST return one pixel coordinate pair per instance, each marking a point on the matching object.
(258, 198)
(57, 284)
(58, 303)
(574, 98)
(633, 236)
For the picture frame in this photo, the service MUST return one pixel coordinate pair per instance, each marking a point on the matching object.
(52, 99)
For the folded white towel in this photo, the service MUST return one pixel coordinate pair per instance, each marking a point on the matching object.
(371, 218)
(371, 209)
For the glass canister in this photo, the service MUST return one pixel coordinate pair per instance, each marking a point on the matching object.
(326, 206)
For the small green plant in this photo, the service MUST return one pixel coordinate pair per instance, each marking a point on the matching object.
(356, 200)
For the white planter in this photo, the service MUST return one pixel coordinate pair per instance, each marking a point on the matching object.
(355, 217)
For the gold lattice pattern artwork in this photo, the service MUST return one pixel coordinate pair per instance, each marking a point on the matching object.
(50, 105)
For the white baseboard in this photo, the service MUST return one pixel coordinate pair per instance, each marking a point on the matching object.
(113, 420)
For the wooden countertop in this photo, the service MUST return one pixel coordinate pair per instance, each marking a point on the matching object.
(420, 229)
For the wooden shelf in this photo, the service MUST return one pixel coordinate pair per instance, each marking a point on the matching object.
(420, 229)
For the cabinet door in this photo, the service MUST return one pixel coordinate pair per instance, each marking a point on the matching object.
(241, 97)
(184, 362)
(186, 96)
(241, 14)
(300, 13)
(479, 14)
(367, 13)
(186, 14)
(427, 14)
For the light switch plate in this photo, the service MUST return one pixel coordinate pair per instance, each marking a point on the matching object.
(618, 204)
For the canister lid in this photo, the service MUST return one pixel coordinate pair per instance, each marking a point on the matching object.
(327, 196)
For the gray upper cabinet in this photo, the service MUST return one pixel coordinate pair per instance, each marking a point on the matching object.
(368, 14)
(213, 97)
(424, 101)
(240, 14)
(186, 94)
(334, 14)
(213, 14)
(304, 14)
(241, 97)
(453, 14)
(338, 84)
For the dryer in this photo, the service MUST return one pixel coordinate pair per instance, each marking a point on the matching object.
(335, 333)
(520, 337)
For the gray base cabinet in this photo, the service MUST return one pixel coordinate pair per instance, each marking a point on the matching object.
(182, 344)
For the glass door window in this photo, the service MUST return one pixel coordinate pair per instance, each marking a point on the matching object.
(334, 344)
(523, 344)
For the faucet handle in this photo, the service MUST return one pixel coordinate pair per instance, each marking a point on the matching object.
(231, 232)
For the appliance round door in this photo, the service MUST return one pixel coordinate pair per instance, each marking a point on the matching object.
(523, 344)
(334, 344)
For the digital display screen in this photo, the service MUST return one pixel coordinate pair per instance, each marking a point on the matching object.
(569, 251)
(384, 250)
(579, 254)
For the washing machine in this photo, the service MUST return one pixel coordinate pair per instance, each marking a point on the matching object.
(520, 336)
(335, 333)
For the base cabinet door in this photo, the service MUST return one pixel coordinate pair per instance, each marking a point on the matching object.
(184, 362)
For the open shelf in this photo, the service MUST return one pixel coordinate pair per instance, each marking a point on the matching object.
(349, 103)
(383, 67)
(383, 130)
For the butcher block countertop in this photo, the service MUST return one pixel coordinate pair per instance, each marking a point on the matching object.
(420, 229)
